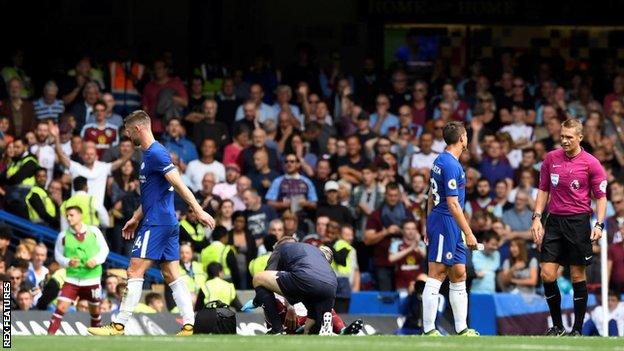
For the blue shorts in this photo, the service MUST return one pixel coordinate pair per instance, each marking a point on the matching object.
(446, 244)
(157, 243)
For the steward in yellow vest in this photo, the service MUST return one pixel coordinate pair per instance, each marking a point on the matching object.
(219, 251)
(41, 208)
(193, 232)
(217, 289)
(82, 199)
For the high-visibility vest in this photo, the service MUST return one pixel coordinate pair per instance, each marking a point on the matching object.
(86, 203)
(218, 289)
(259, 264)
(83, 250)
(196, 232)
(216, 252)
(343, 271)
(9, 73)
(15, 166)
(195, 278)
(122, 86)
(50, 208)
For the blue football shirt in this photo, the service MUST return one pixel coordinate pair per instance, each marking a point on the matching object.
(447, 179)
(156, 192)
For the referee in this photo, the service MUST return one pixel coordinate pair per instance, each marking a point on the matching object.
(568, 176)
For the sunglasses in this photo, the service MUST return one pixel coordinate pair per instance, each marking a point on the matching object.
(291, 161)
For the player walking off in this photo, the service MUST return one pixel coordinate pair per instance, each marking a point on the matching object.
(82, 249)
(446, 250)
(568, 175)
(157, 237)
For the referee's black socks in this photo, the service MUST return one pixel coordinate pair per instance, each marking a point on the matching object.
(580, 304)
(553, 298)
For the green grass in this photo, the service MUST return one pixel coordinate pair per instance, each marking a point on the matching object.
(315, 343)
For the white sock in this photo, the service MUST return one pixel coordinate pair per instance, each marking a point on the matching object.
(430, 303)
(459, 303)
(183, 300)
(131, 298)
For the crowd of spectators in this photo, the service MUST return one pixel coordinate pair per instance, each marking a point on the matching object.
(321, 153)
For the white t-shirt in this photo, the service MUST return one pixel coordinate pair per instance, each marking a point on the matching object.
(224, 190)
(96, 178)
(617, 315)
(420, 160)
(46, 156)
(518, 131)
(196, 170)
(438, 145)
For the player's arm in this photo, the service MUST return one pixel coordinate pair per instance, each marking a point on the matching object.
(458, 214)
(59, 250)
(100, 257)
(537, 231)
(173, 177)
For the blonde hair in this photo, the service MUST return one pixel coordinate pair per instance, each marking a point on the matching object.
(573, 123)
(138, 117)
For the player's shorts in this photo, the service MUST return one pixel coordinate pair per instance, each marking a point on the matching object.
(446, 244)
(318, 297)
(157, 243)
(70, 292)
(567, 240)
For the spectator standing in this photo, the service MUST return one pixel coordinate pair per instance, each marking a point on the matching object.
(175, 141)
(486, 264)
(206, 163)
(206, 125)
(102, 133)
(21, 112)
(407, 254)
(48, 106)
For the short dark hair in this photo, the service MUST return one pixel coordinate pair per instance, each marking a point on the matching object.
(452, 132)
(489, 235)
(101, 103)
(80, 183)
(152, 297)
(392, 186)
(409, 220)
(77, 208)
(213, 270)
(219, 232)
(41, 169)
(483, 179)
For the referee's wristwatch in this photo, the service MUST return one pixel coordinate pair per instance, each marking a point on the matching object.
(536, 215)
(599, 225)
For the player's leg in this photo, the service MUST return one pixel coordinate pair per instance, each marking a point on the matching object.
(93, 296)
(67, 296)
(551, 255)
(132, 295)
(265, 284)
(170, 268)
(458, 298)
(437, 272)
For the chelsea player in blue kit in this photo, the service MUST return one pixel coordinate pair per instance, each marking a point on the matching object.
(446, 249)
(157, 239)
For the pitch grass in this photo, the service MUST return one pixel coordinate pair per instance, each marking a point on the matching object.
(315, 343)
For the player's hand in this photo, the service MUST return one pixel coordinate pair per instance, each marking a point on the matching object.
(290, 322)
(74, 262)
(91, 263)
(128, 230)
(471, 241)
(596, 234)
(537, 231)
(204, 218)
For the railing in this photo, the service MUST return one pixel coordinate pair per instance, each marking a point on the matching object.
(48, 236)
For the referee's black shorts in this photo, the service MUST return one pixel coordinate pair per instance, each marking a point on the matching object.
(567, 240)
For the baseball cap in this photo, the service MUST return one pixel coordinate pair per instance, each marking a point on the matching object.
(331, 185)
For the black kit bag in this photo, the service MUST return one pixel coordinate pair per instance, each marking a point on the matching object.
(215, 318)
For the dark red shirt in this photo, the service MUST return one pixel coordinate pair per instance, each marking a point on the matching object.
(616, 255)
(380, 250)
